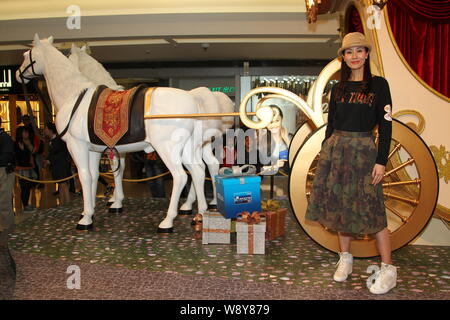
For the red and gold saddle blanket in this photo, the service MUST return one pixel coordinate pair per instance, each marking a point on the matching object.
(117, 117)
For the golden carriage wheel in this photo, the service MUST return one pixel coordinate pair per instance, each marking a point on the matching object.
(297, 140)
(303, 131)
(410, 187)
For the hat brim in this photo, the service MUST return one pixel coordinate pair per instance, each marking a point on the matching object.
(368, 46)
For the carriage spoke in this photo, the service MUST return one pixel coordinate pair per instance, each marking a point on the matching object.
(394, 150)
(404, 199)
(400, 183)
(404, 164)
(394, 211)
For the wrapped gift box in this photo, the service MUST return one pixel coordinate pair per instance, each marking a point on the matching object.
(275, 220)
(216, 228)
(251, 237)
(236, 194)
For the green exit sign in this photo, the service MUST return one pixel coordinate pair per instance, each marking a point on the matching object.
(223, 89)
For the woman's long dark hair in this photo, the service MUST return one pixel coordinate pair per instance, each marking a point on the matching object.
(346, 73)
(19, 133)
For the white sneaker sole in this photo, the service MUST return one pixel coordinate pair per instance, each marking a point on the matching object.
(342, 279)
(382, 292)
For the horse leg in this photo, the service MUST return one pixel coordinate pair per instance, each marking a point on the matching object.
(80, 155)
(186, 208)
(170, 154)
(94, 159)
(192, 159)
(213, 167)
(116, 207)
(112, 199)
(188, 158)
(198, 179)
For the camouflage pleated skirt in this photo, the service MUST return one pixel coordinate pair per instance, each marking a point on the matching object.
(342, 197)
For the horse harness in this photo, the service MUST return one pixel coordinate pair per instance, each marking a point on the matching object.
(30, 65)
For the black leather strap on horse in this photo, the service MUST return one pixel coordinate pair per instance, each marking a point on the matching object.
(25, 91)
(74, 109)
(111, 156)
(30, 65)
(48, 110)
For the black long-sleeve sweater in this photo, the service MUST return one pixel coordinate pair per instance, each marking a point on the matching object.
(353, 110)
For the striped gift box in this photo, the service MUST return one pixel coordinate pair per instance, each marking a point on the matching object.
(216, 228)
(251, 237)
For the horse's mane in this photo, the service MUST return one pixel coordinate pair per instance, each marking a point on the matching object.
(95, 71)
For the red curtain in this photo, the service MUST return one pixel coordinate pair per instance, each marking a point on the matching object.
(354, 22)
(421, 29)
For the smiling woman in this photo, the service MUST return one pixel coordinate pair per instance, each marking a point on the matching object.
(347, 195)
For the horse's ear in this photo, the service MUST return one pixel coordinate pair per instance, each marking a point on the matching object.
(50, 39)
(83, 48)
(36, 40)
(73, 48)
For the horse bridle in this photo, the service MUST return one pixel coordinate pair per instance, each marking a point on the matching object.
(30, 65)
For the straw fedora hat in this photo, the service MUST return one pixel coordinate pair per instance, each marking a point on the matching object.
(354, 39)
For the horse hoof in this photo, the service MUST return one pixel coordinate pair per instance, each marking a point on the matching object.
(82, 227)
(184, 212)
(212, 207)
(115, 210)
(165, 230)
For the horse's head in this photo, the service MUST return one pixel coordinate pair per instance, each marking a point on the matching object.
(33, 63)
(80, 57)
(91, 68)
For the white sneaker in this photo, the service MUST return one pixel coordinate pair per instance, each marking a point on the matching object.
(386, 280)
(345, 267)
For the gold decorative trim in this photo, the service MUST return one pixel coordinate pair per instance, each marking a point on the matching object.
(441, 155)
(148, 100)
(402, 58)
(407, 112)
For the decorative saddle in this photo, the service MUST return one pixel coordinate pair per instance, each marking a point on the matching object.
(117, 117)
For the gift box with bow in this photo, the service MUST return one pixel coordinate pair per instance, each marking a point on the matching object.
(250, 229)
(275, 218)
(215, 228)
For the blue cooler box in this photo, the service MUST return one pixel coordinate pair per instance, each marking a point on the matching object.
(238, 194)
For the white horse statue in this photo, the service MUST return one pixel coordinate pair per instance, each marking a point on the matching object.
(169, 137)
(209, 102)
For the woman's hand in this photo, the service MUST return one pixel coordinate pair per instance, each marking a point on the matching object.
(378, 173)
